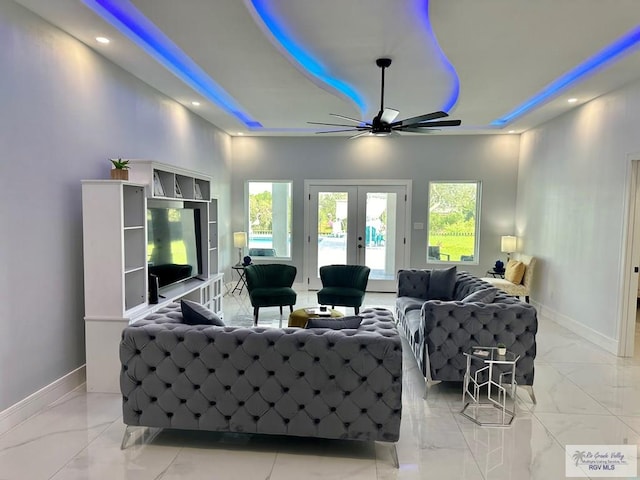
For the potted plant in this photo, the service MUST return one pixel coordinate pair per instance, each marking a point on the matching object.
(502, 349)
(120, 170)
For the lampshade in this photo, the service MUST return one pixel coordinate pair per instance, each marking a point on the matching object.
(239, 239)
(508, 243)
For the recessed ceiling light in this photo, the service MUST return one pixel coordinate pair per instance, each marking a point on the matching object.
(512, 131)
(104, 40)
(195, 104)
(240, 133)
(572, 100)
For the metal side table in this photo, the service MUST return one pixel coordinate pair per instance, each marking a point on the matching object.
(482, 374)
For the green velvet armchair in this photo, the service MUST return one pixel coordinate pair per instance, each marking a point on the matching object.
(343, 285)
(269, 285)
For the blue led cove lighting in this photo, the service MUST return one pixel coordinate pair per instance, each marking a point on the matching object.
(455, 82)
(608, 54)
(124, 16)
(304, 59)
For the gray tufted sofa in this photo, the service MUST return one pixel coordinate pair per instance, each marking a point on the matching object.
(335, 384)
(439, 332)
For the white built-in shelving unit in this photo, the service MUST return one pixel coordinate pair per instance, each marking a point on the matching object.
(115, 258)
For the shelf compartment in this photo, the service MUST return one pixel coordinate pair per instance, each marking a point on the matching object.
(134, 249)
(135, 289)
(168, 183)
(133, 205)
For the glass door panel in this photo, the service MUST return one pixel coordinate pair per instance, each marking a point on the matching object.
(358, 225)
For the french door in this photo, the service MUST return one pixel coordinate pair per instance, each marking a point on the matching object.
(357, 225)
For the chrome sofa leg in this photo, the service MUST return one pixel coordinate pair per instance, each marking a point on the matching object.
(428, 383)
(529, 389)
(393, 451)
(394, 456)
(135, 434)
(128, 433)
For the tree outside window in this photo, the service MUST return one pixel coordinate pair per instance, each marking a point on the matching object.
(269, 222)
(453, 221)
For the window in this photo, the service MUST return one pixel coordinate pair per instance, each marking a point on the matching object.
(269, 223)
(453, 222)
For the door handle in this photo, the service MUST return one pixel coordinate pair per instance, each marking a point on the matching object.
(635, 269)
(359, 246)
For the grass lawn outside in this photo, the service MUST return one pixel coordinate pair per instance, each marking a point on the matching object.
(453, 245)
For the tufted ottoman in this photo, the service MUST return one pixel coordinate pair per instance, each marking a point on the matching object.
(336, 384)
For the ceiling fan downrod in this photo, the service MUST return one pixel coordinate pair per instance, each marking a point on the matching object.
(382, 63)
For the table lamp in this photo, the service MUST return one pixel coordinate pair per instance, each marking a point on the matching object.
(239, 241)
(508, 245)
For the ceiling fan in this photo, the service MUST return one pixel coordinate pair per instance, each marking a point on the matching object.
(383, 124)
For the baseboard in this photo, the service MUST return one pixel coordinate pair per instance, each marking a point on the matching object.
(607, 343)
(35, 402)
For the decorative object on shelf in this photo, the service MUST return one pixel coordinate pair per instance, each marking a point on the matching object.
(120, 170)
(508, 245)
(153, 288)
(240, 242)
(178, 191)
(246, 261)
(198, 191)
(158, 189)
(502, 349)
(498, 267)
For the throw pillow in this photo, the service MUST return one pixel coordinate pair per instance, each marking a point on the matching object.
(515, 271)
(195, 314)
(483, 296)
(334, 323)
(442, 283)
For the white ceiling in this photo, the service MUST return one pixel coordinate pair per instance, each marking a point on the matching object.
(503, 52)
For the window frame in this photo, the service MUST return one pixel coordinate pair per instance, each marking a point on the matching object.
(247, 219)
(476, 247)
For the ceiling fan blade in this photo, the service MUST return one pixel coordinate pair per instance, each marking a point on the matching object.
(361, 134)
(420, 118)
(389, 115)
(347, 130)
(336, 124)
(429, 125)
(440, 123)
(348, 118)
(416, 130)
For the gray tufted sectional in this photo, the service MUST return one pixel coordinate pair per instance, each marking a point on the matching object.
(439, 332)
(335, 384)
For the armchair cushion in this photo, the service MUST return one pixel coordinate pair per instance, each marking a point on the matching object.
(272, 297)
(514, 272)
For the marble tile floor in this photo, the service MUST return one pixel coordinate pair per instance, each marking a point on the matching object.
(585, 396)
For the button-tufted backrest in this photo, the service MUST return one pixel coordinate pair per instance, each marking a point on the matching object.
(413, 283)
(317, 382)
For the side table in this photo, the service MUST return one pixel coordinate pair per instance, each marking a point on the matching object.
(242, 279)
(487, 376)
(493, 273)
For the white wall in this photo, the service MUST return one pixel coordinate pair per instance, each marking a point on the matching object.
(490, 158)
(65, 111)
(572, 189)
